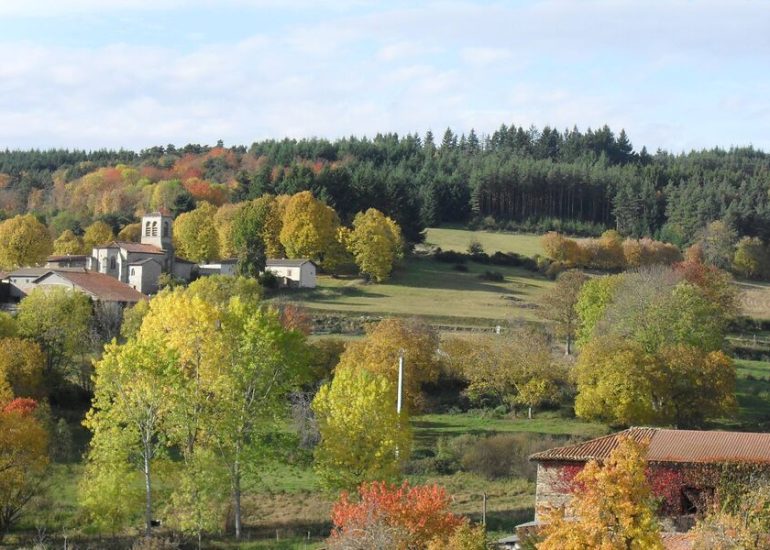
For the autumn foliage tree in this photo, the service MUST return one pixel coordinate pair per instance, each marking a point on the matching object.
(613, 507)
(96, 234)
(363, 438)
(68, 244)
(393, 516)
(195, 235)
(309, 230)
(379, 353)
(24, 241)
(375, 243)
(23, 459)
(560, 305)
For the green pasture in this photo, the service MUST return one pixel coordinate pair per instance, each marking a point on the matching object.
(433, 290)
(526, 244)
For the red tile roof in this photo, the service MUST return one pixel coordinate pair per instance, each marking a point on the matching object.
(101, 287)
(689, 446)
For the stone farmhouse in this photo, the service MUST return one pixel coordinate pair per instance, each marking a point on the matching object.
(299, 273)
(686, 471)
(685, 467)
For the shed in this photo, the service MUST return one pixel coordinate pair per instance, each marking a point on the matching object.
(299, 273)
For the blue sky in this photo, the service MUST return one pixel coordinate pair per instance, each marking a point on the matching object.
(134, 73)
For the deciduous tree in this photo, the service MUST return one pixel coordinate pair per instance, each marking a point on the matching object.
(379, 353)
(310, 230)
(375, 243)
(133, 386)
(195, 235)
(97, 234)
(21, 367)
(59, 320)
(560, 305)
(363, 438)
(24, 241)
(68, 244)
(23, 459)
(421, 513)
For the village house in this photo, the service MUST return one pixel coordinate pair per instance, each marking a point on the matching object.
(99, 287)
(299, 273)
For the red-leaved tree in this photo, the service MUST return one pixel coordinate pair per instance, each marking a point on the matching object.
(410, 516)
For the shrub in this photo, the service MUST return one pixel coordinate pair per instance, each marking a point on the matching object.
(475, 247)
(460, 267)
(495, 276)
(450, 257)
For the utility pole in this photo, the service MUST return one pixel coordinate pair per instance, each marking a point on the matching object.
(400, 380)
(400, 390)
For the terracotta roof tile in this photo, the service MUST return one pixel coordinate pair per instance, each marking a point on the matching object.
(100, 286)
(138, 247)
(690, 446)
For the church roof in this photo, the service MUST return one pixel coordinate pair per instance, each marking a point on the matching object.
(139, 248)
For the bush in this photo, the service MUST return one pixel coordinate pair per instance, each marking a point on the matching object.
(475, 247)
(495, 276)
(450, 257)
(268, 280)
(460, 267)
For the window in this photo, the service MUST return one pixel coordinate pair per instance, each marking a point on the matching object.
(112, 263)
(147, 229)
(165, 229)
(154, 229)
(133, 272)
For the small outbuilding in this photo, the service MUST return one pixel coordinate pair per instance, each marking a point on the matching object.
(299, 273)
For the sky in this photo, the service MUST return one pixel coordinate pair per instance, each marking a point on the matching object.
(91, 74)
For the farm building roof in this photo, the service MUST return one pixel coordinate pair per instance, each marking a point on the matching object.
(687, 446)
(101, 287)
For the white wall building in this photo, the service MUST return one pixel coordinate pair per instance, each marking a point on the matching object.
(300, 273)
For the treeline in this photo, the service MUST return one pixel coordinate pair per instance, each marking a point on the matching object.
(515, 178)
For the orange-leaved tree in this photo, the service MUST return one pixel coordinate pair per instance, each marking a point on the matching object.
(614, 508)
(393, 516)
(23, 459)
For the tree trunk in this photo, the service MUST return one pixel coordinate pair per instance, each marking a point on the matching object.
(148, 491)
(237, 499)
(529, 413)
(569, 345)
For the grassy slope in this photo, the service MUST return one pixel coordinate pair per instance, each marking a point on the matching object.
(433, 290)
(753, 393)
(459, 239)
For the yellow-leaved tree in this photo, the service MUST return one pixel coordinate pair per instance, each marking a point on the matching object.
(310, 230)
(223, 221)
(379, 352)
(195, 234)
(68, 243)
(375, 243)
(98, 233)
(24, 241)
(363, 438)
(131, 233)
(614, 507)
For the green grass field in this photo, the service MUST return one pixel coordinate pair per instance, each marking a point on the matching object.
(459, 239)
(433, 290)
(752, 391)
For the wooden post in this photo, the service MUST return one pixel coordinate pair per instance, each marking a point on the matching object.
(484, 509)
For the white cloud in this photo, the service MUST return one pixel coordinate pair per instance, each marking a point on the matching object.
(406, 67)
